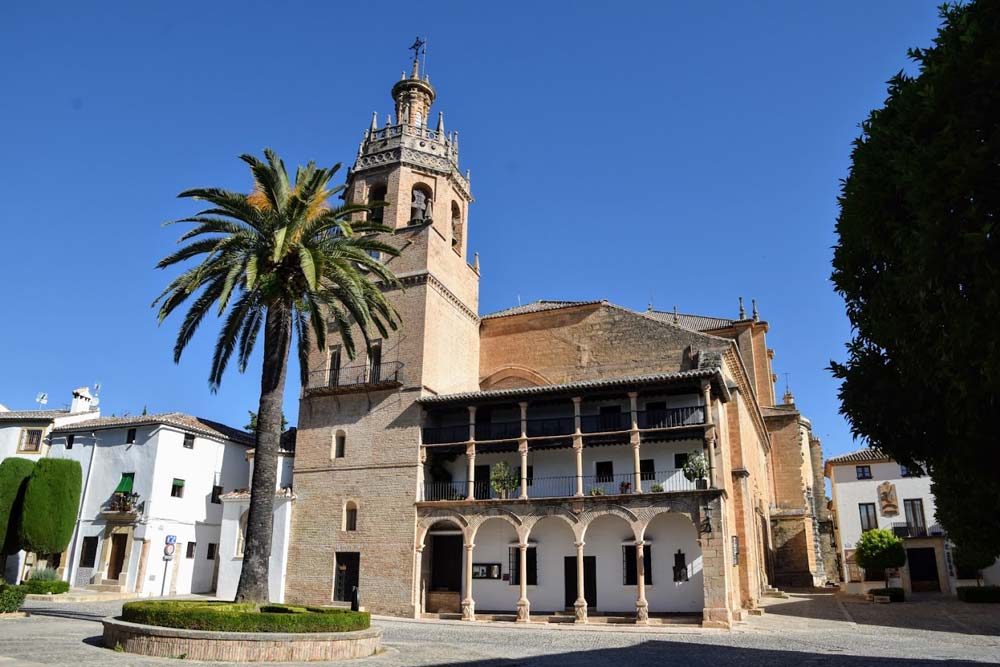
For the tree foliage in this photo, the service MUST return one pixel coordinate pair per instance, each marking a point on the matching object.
(14, 474)
(880, 550)
(51, 501)
(917, 264)
(284, 259)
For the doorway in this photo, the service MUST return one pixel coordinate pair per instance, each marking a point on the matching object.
(589, 581)
(922, 563)
(481, 488)
(117, 561)
(348, 571)
(446, 565)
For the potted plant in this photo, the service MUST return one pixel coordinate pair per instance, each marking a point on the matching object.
(696, 470)
(656, 488)
(597, 491)
(502, 479)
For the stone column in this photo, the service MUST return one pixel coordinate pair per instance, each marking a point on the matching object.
(710, 448)
(641, 606)
(418, 601)
(580, 606)
(421, 485)
(634, 439)
(523, 606)
(522, 448)
(468, 604)
(470, 454)
(578, 445)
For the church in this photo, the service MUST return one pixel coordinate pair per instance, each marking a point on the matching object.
(557, 460)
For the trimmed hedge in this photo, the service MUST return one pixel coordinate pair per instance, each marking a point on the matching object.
(11, 598)
(14, 473)
(42, 587)
(51, 500)
(242, 616)
(978, 593)
(895, 594)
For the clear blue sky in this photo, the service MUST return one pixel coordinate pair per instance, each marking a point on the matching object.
(684, 153)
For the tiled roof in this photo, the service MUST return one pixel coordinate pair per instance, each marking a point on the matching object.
(15, 415)
(537, 307)
(866, 454)
(175, 419)
(692, 322)
(655, 378)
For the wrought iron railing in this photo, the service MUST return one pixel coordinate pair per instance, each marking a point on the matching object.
(123, 502)
(905, 529)
(565, 486)
(617, 421)
(388, 372)
(551, 426)
(672, 417)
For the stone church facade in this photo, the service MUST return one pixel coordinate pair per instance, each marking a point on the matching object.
(532, 460)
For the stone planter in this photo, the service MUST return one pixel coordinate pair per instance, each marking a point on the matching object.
(240, 646)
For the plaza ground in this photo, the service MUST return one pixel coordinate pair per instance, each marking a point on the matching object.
(807, 629)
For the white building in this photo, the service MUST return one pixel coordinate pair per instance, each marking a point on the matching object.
(871, 491)
(235, 506)
(150, 483)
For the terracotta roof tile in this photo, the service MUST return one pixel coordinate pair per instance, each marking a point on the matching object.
(175, 419)
(537, 307)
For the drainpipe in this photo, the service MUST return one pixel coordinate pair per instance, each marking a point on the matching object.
(73, 554)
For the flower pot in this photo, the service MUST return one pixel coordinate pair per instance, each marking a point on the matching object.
(701, 484)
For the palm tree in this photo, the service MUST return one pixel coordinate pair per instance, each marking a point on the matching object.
(284, 258)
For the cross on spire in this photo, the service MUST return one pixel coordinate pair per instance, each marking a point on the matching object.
(418, 47)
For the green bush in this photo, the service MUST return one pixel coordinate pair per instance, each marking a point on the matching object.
(43, 587)
(11, 598)
(51, 500)
(880, 550)
(978, 593)
(242, 616)
(14, 473)
(44, 574)
(895, 594)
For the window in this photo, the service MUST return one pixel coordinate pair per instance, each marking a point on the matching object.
(610, 418)
(375, 362)
(70, 440)
(130, 437)
(680, 460)
(863, 472)
(906, 471)
(88, 553)
(351, 517)
(456, 227)
(869, 521)
(335, 367)
(375, 195)
(126, 483)
(188, 441)
(736, 550)
(241, 535)
(339, 444)
(192, 547)
(515, 566)
(213, 550)
(630, 577)
(177, 488)
(531, 474)
(605, 471)
(647, 469)
(914, 509)
(216, 495)
(31, 440)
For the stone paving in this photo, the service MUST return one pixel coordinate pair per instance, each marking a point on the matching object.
(807, 629)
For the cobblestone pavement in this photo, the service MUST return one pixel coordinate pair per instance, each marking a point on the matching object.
(808, 629)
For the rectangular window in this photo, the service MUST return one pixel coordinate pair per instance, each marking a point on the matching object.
(177, 488)
(31, 440)
(914, 509)
(907, 471)
(863, 472)
(605, 471)
(188, 441)
(130, 437)
(647, 469)
(531, 474)
(213, 549)
(736, 550)
(629, 564)
(88, 553)
(375, 362)
(351, 520)
(515, 566)
(70, 440)
(869, 520)
(339, 445)
(192, 547)
(680, 460)
(217, 495)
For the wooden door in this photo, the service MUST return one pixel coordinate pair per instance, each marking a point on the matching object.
(589, 581)
(117, 561)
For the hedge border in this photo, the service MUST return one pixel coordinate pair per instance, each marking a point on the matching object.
(978, 594)
(243, 617)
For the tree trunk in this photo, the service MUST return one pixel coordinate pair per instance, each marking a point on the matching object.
(253, 586)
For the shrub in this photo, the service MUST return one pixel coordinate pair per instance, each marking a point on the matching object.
(502, 479)
(51, 500)
(242, 616)
(880, 550)
(656, 488)
(695, 468)
(44, 574)
(979, 593)
(43, 587)
(14, 473)
(11, 598)
(895, 594)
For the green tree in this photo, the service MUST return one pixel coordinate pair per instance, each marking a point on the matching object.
(51, 501)
(917, 264)
(969, 557)
(251, 426)
(880, 550)
(14, 474)
(284, 259)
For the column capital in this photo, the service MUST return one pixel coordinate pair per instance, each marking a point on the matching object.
(472, 410)
(423, 455)
(470, 546)
(470, 450)
(579, 545)
(633, 394)
(577, 399)
(640, 543)
(522, 545)
(419, 548)
(522, 446)
(523, 404)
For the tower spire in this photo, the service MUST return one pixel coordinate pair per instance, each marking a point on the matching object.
(743, 312)
(417, 48)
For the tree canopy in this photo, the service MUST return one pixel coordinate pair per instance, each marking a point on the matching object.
(917, 264)
(880, 550)
(14, 474)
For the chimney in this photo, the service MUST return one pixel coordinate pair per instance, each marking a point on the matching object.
(81, 400)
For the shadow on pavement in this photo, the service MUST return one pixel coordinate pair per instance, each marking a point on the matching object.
(63, 612)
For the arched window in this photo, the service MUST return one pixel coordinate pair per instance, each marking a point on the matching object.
(339, 444)
(421, 204)
(377, 194)
(457, 229)
(351, 516)
(241, 535)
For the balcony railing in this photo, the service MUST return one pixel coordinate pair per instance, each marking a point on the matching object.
(904, 529)
(437, 435)
(672, 417)
(357, 375)
(123, 506)
(663, 481)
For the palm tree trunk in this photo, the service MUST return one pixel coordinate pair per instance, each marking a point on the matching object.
(257, 545)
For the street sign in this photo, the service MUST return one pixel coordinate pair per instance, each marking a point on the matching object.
(171, 539)
(169, 550)
(167, 557)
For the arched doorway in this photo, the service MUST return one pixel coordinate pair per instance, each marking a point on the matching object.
(442, 567)
(607, 540)
(672, 549)
(495, 567)
(554, 543)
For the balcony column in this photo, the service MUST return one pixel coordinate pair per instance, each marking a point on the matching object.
(470, 453)
(522, 448)
(468, 604)
(710, 440)
(641, 606)
(580, 606)
(710, 448)
(578, 445)
(634, 439)
(421, 483)
(523, 606)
